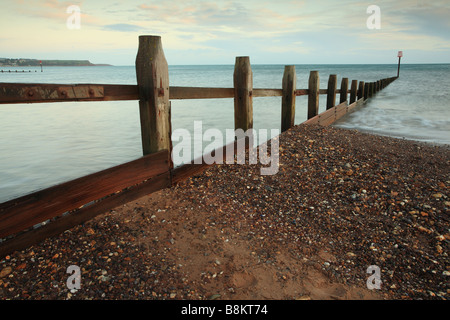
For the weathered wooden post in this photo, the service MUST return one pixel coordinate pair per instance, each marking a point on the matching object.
(361, 90)
(353, 91)
(243, 95)
(313, 94)
(288, 98)
(152, 74)
(366, 90)
(331, 91)
(344, 90)
(399, 55)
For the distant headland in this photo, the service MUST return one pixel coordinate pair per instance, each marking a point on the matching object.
(46, 63)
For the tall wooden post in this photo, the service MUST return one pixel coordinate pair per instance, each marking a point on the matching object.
(366, 90)
(313, 94)
(288, 99)
(152, 74)
(353, 91)
(344, 89)
(361, 90)
(331, 91)
(243, 95)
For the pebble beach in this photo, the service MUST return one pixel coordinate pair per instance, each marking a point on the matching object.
(341, 201)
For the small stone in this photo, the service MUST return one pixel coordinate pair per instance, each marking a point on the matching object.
(446, 273)
(214, 296)
(173, 295)
(6, 271)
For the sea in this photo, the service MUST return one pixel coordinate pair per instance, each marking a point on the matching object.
(44, 144)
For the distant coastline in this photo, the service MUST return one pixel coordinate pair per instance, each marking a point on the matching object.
(8, 62)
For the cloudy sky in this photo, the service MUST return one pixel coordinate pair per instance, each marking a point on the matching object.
(215, 32)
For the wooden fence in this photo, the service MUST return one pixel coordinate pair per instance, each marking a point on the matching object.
(69, 204)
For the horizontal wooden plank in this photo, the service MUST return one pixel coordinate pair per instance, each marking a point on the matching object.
(329, 116)
(267, 92)
(53, 228)
(200, 93)
(355, 104)
(340, 114)
(34, 93)
(117, 92)
(341, 106)
(42, 93)
(301, 92)
(330, 113)
(21, 213)
(198, 165)
(327, 121)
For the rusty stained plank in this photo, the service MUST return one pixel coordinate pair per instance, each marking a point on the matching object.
(23, 240)
(39, 93)
(33, 93)
(21, 213)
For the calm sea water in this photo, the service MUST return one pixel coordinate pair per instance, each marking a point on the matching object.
(49, 143)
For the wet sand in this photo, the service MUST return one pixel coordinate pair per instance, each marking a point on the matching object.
(341, 202)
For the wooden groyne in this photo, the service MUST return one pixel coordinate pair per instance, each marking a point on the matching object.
(16, 71)
(71, 203)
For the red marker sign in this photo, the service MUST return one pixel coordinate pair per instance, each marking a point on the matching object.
(400, 54)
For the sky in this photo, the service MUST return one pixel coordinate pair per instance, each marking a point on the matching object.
(215, 32)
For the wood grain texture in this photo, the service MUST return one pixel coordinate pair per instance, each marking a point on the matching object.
(152, 73)
(288, 100)
(331, 91)
(344, 90)
(353, 91)
(361, 90)
(243, 96)
(313, 94)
